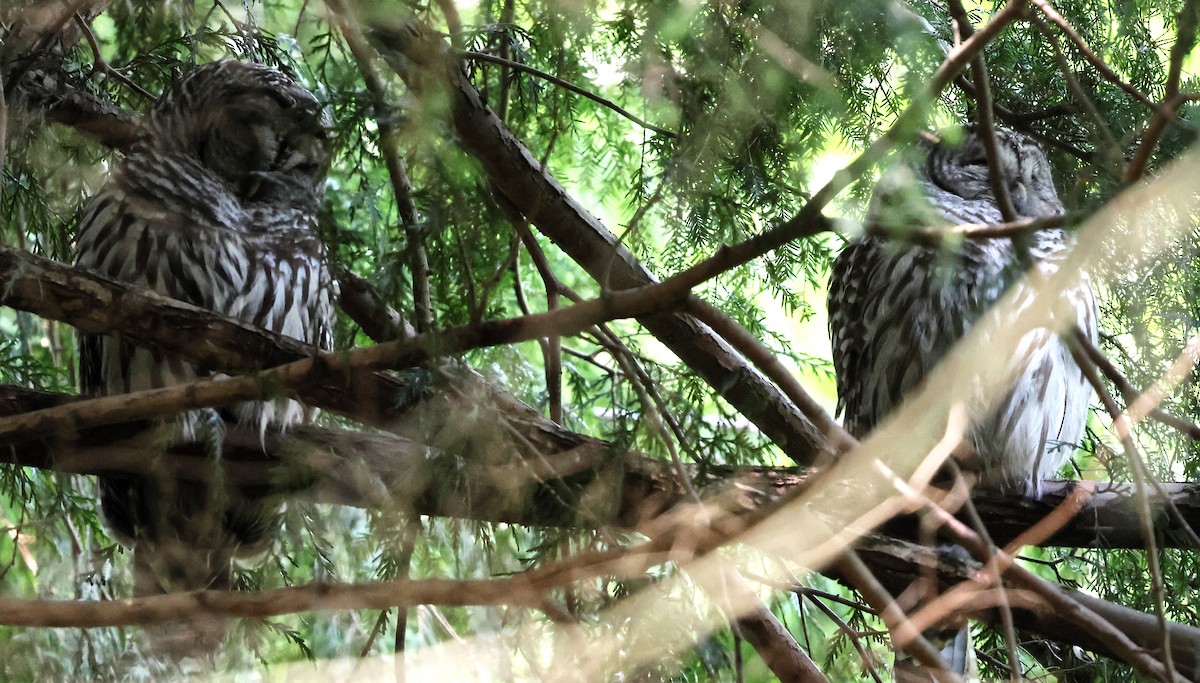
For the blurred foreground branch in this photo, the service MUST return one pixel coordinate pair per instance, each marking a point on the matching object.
(587, 483)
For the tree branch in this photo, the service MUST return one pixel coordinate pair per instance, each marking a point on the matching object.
(42, 91)
(891, 561)
(781, 421)
(626, 488)
(426, 63)
(516, 591)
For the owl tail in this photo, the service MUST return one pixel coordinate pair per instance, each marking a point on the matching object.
(186, 531)
(175, 566)
(188, 546)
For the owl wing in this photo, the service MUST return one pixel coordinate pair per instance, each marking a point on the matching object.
(848, 291)
(896, 308)
(153, 224)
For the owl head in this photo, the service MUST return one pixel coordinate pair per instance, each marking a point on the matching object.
(250, 124)
(961, 168)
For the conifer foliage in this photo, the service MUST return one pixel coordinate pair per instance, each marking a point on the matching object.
(578, 419)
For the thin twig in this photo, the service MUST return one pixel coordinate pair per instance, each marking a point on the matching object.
(939, 235)
(908, 120)
(904, 634)
(1020, 121)
(3, 131)
(453, 21)
(102, 65)
(855, 637)
(389, 142)
(1130, 392)
(1165, 114)
(754, 622)
(552, 349)
(1097, 358)
(613, 344)
(794, 586)
(380, 624)
(749, 346)
(515, 591)
(1122, 424)
(986, 119)
(1084, 98)
(507, 19)
(484, 57)
(1153, 397)
(1105, 71)
(993, 566)
(1053, 594)
(650, 410)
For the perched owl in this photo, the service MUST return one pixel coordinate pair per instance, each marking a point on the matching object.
(896, 308)
(216, 206)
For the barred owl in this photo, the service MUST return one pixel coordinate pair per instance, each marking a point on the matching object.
(896, 308)
(216, 206)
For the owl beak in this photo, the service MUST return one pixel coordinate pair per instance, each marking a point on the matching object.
(1021, 193)
(252, 185)
(309, 152)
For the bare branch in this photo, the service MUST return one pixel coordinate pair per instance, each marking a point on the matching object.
(516, 591)
(936, 236)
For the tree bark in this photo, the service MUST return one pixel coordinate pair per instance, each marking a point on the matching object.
(515, 172)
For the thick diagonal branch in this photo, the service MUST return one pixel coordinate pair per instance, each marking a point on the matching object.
(428, 65)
